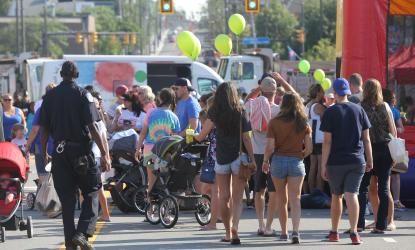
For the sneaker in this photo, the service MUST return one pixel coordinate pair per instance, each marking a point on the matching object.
(80, 240)
(333, 236)
(355, 239)
(295, 238)
(283, 237)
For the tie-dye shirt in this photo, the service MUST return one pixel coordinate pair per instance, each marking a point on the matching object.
(161, 122)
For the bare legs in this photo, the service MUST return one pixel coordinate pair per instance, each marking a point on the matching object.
(314, 178)
(288, 190)
(337, 208)
(212, 191)
(260, 210)
(104, 205)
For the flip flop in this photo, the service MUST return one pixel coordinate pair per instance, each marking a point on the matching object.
(377, 231)
(260, 232)
(236, 241)
(225, 240)
(272, 234)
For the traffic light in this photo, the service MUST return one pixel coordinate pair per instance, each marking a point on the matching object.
(300, 36)
(79, 38)
(252, 6)
(166, 7)
(133, 39)
(126, 39)
(94, 37)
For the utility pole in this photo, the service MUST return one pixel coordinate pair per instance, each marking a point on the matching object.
(226, 17)
(321, 18)
(45, 30)
(17, 29)
(22, 27)
(302, 25)
(253, 29)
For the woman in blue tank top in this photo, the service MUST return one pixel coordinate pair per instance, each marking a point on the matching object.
(11, 116)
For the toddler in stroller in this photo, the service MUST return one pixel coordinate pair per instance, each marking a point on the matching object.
(175, 165)
(13, 175)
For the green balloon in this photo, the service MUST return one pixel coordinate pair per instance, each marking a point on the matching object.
(196, 49)
(237, 24)
(140, 76)
(319, 75)
(326, 84)
(223, 43)
(186, 43)
(304, 66)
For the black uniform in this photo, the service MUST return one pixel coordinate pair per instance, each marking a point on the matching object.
(66, 112)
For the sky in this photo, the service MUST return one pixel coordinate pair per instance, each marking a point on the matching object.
(190, 6)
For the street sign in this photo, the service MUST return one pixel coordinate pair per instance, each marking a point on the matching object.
(258, 40)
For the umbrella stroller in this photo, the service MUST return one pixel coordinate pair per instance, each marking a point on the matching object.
(13, 175)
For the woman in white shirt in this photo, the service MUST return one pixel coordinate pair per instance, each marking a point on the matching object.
(131, 116)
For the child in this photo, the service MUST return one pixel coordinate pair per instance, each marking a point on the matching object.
(19, 139)
(7, 189)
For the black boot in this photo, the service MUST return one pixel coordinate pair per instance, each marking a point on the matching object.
(80, 240)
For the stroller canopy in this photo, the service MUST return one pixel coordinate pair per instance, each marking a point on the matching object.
(167, 144)
(13, 161)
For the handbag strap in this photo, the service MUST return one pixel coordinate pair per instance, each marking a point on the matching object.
(240, 136)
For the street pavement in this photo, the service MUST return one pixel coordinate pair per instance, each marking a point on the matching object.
(128, 231)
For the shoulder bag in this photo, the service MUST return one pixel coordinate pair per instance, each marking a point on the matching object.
(246, 170)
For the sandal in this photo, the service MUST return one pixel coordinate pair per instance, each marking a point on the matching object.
(260, 232)
(272, 234)
(225, 240)
(377, 231)
(236, 240)
(371, 226)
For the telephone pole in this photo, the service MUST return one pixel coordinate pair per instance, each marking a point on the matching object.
(17, 29)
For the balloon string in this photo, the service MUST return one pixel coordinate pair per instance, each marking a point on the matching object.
(237, 45)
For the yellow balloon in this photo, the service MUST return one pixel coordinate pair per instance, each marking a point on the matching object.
(326, 84)
(197, 49)
(237, 24)
(186, 43)
(223, 43)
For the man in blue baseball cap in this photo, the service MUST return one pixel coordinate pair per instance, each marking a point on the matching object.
(346, 142)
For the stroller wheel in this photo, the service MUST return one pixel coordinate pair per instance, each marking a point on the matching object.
(2, 234)
(30, 200)
(152, 213)
(139, 200)
(29, 227)
(169, 211)
(203, 210)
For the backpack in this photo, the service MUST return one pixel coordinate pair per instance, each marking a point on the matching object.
(259, 113)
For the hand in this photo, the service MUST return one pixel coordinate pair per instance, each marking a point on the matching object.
(277, 76)
(47, 158)
(138, 153)
(27, 148)
(369, 166)
(106, 163)
(324, 174)
(265, 167)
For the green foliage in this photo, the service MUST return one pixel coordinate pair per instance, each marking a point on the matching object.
(317, 26)
(34, 28)
(324, 50)
(4, 6)
(278, 24)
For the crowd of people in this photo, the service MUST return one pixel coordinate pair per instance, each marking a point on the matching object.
(333, 142)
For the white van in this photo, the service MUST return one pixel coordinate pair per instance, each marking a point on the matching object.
(106, 72)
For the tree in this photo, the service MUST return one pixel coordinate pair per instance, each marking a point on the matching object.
(324, 50)
(278, 24)
(56, 44)
(319, 26)
(4, 7)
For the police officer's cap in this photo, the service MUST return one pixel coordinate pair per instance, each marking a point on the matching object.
(69, 69)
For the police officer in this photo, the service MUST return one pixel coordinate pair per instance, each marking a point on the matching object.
(68, 114)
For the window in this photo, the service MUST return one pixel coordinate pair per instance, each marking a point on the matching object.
(242, 71)
(205, 85)
(223, 66)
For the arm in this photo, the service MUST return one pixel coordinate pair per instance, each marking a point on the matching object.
(308, 145)
(44, 143)
(269, 149)
(278, 78)
(368, 150)
(23, 117)
(206, 128)
(32, 137)
(391, 122)
(143, 135)
(325, 154)
(399, 126)
(254, 93)
(105, 164)
(246, 138)
(192, 125)
(114, 125)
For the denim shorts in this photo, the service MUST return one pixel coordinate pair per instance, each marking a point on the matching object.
(230, 168)
(285, 166)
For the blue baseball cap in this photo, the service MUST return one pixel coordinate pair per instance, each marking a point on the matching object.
(341, 87)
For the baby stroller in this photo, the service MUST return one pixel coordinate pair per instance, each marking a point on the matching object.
(14, 165)
(130, 176)
(175, 165)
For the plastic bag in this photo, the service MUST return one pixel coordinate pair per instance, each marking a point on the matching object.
(47, 199)
(397, 150)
